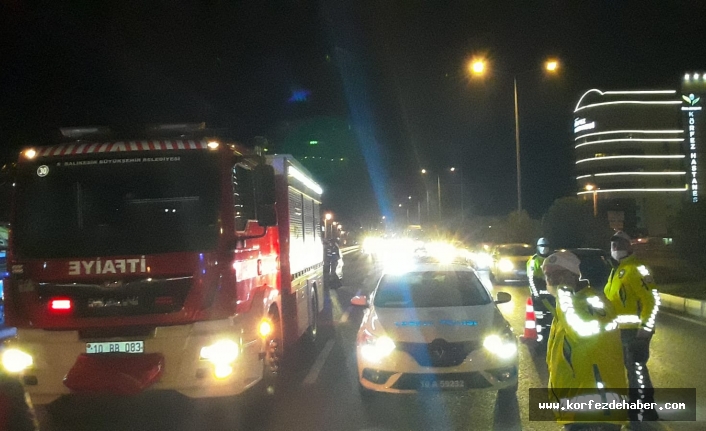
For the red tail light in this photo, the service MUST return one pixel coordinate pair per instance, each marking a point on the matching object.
(61, 305)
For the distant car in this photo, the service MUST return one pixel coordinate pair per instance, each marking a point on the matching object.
(595, 267)
(434, 327)
(510, 262)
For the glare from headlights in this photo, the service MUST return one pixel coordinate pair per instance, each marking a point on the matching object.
(222, 371)
(502, 348)
(483, 259)
(506, 265)
(15, 360)
(444, 252)
(222, 352)
(376, 348)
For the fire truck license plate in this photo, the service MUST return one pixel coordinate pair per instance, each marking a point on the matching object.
(116, 347)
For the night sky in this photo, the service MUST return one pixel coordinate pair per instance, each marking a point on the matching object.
(391, 74)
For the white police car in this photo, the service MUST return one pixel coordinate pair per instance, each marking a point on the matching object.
(434, 327)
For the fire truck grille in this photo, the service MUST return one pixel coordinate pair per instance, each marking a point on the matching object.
(118, 298)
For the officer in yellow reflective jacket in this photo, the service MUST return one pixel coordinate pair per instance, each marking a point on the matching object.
(634, 296)
(534, 268)
(584, 352)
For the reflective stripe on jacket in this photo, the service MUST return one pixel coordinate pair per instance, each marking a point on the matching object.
(584, 350)
(633, 293)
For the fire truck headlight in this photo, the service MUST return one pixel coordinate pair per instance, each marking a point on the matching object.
(222, 371)
(30, 154)
(16, 361)
(223, 352)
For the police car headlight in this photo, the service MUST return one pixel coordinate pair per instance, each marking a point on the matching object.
(16, 361)
(503, 347)
(483, 260)
(222, 352)
(374, 348)
(506, 265)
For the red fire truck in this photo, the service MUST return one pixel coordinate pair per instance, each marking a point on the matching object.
(185, 263)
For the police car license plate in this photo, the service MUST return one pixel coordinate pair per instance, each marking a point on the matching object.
(116, 347)
(442, 384)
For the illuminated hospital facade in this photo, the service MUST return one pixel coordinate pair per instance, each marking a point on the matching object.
(638, 154)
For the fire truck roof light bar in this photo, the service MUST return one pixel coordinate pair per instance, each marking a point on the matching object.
(297, 174)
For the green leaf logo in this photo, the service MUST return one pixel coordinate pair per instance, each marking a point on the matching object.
(691, 99)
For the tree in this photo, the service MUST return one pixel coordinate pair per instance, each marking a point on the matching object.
(570, 223)
(520, 227)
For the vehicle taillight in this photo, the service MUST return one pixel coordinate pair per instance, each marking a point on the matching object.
(61, 305)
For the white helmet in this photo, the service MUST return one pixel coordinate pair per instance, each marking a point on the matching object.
(543, 247)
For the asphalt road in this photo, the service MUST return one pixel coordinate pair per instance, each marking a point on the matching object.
(321, 392)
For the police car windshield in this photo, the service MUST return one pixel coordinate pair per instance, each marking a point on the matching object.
(118, 206)
(431, 289)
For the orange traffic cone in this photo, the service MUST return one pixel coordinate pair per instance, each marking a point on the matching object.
(530, 323)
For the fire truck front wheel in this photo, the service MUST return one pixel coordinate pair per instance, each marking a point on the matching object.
(313, 329)
(273, 356)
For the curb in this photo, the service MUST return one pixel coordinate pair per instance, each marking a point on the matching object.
(690, 307)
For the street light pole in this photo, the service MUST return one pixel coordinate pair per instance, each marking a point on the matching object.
(517, 151)
(438, 187)
(477, 68)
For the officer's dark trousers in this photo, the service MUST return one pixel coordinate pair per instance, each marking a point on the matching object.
(636, 352)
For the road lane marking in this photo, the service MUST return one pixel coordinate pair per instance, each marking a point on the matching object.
(687, 319)
(346, 314)
(319, 364)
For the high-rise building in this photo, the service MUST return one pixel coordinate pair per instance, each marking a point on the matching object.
(630, 158)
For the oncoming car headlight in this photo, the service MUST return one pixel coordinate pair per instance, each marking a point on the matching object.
(506, 265)
(503, 347)
(16, 361)
(374, 348)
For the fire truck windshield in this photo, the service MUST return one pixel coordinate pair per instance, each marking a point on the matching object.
(117, 206)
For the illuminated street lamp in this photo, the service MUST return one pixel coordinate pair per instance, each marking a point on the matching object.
(438, 190)
(594, 189)
(477, 68)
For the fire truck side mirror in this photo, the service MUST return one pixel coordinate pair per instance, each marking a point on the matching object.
(265, 184)
(265, 189)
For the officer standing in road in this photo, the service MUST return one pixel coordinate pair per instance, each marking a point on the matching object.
(534, 268)
(584, 354)
(632, 291)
